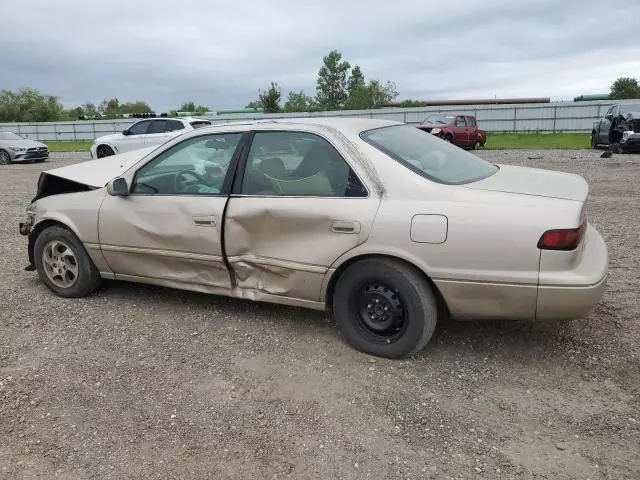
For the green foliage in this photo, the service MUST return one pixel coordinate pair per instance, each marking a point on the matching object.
(268, 100)
(411, 103)
(299, 102)
(29, 105)
(355, 81)
(625, 88)
(331, 85)
(191, 107)
(371, 95)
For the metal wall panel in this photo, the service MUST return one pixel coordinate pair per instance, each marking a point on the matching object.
(551, 117)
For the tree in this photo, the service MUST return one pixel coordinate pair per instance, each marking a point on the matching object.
(90, 111)
(29, 105)
(356, 80)
(269, 100)
(299, 102)
(331, 85)
(135, 107)
(110, 108)
(625, 88)
(371, 95)
(193, 108)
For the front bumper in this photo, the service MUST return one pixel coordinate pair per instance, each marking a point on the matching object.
(631, 142)
(31, 155)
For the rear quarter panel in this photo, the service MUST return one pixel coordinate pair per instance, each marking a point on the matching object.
(488, 265)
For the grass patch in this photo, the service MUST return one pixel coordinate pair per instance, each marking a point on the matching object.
(73, 146)
(537, 141)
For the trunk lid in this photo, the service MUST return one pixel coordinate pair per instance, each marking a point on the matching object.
(536, 182)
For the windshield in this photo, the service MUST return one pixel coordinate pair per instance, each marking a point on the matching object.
(429, 156)
(10, 136)
(443, 119)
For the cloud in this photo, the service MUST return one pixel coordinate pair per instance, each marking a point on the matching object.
(220, 53)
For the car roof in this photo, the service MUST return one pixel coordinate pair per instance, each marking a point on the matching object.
(352, 125)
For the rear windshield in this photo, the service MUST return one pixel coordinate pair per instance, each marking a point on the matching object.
(429, 156)
(200, 123)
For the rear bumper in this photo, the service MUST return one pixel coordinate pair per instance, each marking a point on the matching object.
(575, 293)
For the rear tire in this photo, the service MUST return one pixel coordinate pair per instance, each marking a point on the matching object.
(104, 151)
(477, 145)
(63, 264)
(5, 158)
(385, 308)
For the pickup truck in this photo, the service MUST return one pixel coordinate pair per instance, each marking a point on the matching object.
(619, 128)
(461, 130)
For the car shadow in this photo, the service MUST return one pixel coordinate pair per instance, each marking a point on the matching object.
(508, 338)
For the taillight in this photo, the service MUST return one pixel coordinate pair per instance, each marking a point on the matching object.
(562, 239)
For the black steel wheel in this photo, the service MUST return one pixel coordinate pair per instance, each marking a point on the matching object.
(384, 307)
(104, 151)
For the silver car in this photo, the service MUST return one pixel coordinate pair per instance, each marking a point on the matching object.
(388, 228)
(14, 148)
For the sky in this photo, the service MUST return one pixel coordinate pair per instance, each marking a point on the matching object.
(220, 53)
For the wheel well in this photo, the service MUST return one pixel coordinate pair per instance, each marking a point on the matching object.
(443, 309)
(39, 227)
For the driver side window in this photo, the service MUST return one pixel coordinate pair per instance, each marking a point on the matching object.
(197, 166)
(460, 122)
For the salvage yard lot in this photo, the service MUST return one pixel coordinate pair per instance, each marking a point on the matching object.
(144, 382)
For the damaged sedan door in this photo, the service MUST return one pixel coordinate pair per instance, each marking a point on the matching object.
(297, 205)
(166, 226)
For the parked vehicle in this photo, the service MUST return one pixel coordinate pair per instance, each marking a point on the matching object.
(16, 148)
(619, 128)
(148, 132)
(461, 130)
(387, 227)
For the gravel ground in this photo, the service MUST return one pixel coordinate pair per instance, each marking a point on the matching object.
(144, 382)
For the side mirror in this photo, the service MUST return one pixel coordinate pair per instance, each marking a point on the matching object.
(118, 187)
(125, 132)
(608, 116)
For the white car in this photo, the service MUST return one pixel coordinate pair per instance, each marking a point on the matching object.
(145, 133)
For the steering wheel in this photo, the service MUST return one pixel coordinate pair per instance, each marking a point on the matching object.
(180, 185)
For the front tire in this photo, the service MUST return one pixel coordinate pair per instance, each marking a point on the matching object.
(63, 263)
(104, 151)
(594, 143)
(385, 308)
(5, 158)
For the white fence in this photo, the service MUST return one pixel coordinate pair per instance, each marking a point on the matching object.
(543, 117)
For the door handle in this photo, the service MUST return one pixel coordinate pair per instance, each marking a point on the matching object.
(204, 220)
(341, 226)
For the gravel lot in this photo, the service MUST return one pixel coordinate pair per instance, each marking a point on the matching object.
(144, 382)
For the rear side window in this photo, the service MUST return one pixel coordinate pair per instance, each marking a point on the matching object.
(298, 164)
(157, 126)
(200, 123)
(173, 125)
(471, 121)
(428, 156)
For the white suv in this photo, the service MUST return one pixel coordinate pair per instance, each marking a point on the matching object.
(145, 133)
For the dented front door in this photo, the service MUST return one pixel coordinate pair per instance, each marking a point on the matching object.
(299, 209)
(168, 229)
(174, 239)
